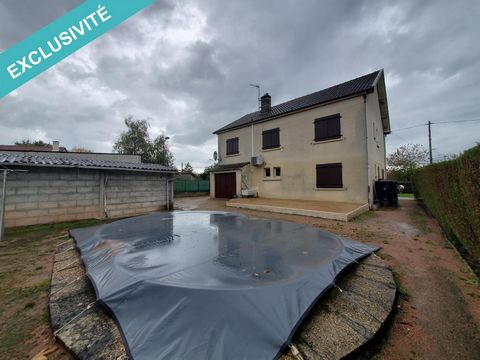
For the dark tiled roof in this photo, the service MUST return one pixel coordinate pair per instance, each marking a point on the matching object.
(356, 86)
(226, 167)
(44, 160)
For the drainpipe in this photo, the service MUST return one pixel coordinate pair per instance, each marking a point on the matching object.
(4, 193)
(368, 160)
(253, 151)
(168, 192)
(167, 198)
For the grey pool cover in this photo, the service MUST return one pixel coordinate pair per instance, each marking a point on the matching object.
(210, 285)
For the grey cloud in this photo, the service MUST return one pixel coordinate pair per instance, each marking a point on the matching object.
(187, 66)
(20, 18)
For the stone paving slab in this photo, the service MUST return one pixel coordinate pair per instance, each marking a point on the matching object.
(337, 325)
(340, 211)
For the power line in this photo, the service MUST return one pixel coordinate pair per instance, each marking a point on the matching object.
(456, 121)
(438, 122)
(410, 127)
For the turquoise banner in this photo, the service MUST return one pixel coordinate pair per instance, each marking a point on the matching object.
(61, 38)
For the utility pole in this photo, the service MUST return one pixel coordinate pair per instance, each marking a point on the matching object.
(430, 140)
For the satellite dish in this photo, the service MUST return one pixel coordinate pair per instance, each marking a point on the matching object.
(215, 155)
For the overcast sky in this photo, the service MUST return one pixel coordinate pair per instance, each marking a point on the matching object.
(186, 65)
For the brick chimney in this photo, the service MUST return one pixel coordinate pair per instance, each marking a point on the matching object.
(266, 104)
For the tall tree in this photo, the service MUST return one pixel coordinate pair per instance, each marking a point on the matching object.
(205, 175)
(188, 168)
(161, 154)
(136, 141)
(403, 161)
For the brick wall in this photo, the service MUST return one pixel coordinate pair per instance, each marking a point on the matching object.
(49, 195)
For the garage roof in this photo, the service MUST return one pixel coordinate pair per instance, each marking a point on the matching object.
(227, 167)
(48, 160)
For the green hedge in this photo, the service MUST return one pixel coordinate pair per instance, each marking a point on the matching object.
(451, 192)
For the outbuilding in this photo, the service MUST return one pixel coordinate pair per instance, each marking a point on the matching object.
(56, 187)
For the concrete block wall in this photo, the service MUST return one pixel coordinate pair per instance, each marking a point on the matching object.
(51, 195)
(133, 194)
(44, 196)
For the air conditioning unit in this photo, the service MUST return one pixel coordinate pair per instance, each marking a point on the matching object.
(257, 160)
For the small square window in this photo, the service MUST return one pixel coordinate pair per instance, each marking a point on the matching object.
(277, 171)
(267, 172)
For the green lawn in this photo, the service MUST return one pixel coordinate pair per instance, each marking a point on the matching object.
(405, 195)
(26, 257)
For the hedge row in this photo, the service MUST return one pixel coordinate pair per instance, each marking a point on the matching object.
(451, 192)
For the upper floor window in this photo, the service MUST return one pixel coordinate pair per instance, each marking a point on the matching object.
(327, 128)
(232, 146)
(329, 175)
(271, 139)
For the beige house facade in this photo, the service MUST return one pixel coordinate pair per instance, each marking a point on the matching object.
(329, 146)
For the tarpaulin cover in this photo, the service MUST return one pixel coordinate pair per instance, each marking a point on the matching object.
(210, 285)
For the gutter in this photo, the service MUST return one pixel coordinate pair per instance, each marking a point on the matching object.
(87, 167)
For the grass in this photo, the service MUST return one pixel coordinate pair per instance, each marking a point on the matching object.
(406, 195)
(402, 291)
(25, 274)
(365, 216)
(49, 229)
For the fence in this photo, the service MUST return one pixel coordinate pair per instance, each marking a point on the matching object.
(181, 186)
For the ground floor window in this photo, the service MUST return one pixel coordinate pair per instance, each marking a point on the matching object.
(329, 175)
(267, 172)
(277, 171)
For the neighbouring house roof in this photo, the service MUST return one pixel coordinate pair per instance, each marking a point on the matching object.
(227, 167)
(41, 148)
(358, 86)
(49, 160)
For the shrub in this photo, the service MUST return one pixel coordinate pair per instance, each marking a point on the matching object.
(451, 192)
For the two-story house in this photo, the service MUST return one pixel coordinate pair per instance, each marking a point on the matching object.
(328, 145)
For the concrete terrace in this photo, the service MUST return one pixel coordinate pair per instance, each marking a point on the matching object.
(322, 209)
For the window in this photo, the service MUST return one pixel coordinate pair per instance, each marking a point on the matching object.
(271, 139)
(329, 176)
(277, 172)
(327, 128)
(267, 172)
(232, 146)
